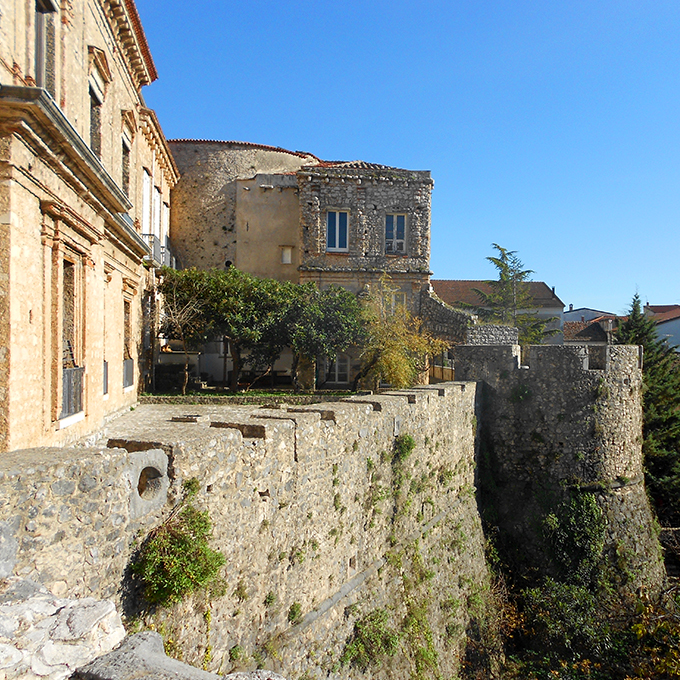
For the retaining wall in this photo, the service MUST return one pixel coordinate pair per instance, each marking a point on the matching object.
(307, 505)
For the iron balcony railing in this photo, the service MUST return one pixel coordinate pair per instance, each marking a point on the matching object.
(72, 391)
(128, 372)
(156, 249)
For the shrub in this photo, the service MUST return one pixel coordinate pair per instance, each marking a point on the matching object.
(175, 559)
(403, 447)
(371, 641)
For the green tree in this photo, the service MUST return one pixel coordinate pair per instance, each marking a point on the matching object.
(510, 298)
(322, 323)
(661, 410)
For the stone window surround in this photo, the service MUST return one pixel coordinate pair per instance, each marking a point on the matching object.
(337, 211)
(394, 240)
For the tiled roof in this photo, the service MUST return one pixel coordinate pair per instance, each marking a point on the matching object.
(583, 331)
(249, 145)
(455, 292)
(663, 313)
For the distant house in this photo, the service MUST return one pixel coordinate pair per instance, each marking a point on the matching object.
(594, 332)
(463, 293)
(667, 318)
(584, 314)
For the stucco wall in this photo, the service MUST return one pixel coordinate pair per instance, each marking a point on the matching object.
(267, 219)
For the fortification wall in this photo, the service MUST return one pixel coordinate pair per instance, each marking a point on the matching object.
(308, 505)
(203, 203)
(568, 421)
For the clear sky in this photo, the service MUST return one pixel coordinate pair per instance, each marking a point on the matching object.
(550, 127)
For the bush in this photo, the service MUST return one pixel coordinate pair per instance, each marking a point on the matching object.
(175, 559)
(371, 641)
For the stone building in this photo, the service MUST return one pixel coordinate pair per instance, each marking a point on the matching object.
(85, 178)
(290, 216)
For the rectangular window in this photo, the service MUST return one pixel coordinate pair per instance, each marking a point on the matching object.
(126, 168)
(157, 213)
(336, 230)
(397, 302)
(71, 374)
(128, 361)
(95, 124)
(338, 371)
(286, 254)
(146, 202)
(45, 45)
(395, 234)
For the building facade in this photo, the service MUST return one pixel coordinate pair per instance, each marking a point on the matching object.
(85, 178)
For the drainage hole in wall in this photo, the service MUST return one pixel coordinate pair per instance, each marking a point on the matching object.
(149, 484)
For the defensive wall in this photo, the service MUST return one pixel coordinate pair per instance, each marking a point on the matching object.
(310, 506)
(564, 420)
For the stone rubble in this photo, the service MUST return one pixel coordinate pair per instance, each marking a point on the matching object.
(43, 637)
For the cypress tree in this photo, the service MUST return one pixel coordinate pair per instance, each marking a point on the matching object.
(661, 411)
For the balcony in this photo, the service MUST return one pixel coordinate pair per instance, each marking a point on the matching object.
(72, 391)
(156, 257)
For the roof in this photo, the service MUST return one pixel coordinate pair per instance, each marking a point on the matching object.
(455, 292)
(247, 145)
(583, 331)
(663, 313)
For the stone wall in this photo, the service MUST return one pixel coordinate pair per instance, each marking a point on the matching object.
(489, 334)
(566, 422)
(203, 202)
(309, 506)
(368, 193)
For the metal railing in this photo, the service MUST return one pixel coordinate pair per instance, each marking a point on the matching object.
(72, 391)
(156, 249)
(128, 372)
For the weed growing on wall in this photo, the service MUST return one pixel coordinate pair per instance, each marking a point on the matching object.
(175, 559)
(371, 641)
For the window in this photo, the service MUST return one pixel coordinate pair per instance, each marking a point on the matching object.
(286, 254)
(45, 45)
(338, 371)
(146, 202)
(128, 361)
(336, 230)
(157, 212)
(72, 373)
(395, 233)
(126, 168)
(95, 123)
(395, 302)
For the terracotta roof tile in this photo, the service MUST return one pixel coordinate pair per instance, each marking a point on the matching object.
(583, 331)
(456, 292)
(663, 313)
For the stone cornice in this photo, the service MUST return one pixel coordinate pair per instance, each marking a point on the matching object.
(154, 135)
(63, 213)
(126, 26)
(31, 113)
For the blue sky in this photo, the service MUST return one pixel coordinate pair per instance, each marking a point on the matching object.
(550, 128)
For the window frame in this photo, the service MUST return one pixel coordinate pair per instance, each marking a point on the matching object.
(338, 367)
(391, 244)
(336, 212)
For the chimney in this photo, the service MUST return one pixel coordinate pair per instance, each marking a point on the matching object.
(571, 307)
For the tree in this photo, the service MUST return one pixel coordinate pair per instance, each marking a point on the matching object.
(510, 297)
(397, 348)
(184, 310)
(661, 410)
(323, 323)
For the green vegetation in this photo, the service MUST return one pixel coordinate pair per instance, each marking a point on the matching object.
(396, 347)
(509, 298)
(236, 653)
(175, 559)
(403, 447)
(295, 613)
(371, 641)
